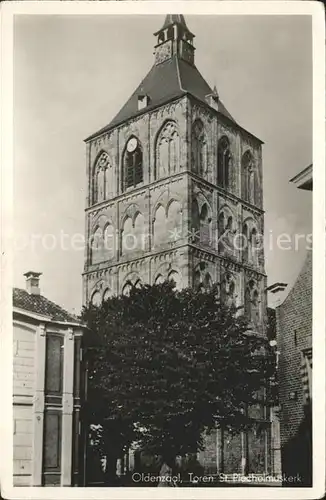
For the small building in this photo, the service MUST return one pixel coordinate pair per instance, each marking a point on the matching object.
(47, 390)
(294, 342)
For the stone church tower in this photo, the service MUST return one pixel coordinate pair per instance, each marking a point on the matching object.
(175, 192)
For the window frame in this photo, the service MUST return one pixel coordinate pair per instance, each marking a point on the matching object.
(133, 170)
(47, 391)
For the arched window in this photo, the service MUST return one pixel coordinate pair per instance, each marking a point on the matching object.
(221, 224)
(126, 289)
(221, 230)
(97, 246)
(96, 298)
(159, 279)
(108, 182)
(205, 225)
(106, 294)
(102, 178)
(247, 304)
(253, 243)
(207, 281)
(138, 283)
(132, 164)
(96, 181)
(167, 159)
(133, 281)
(252, 303)
(252, 186)
(202, 279)
(223, 163)
(226, 232)
(198, 148)
(195, 219)
(109, 242)
(100, 185)
(197, 279)
(128, 240)
(139, 232)
(174, 222)
(245, 242)
(228, 290)
(159, 227)
(175, 276)
(247, 177)
(174, 155)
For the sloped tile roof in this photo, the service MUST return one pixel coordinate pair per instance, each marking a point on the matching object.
(164, 82)
(41, 305)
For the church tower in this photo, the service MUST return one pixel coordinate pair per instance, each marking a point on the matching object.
(175, 192)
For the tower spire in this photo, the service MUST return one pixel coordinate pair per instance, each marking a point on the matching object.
(174, 39)
(173, 19)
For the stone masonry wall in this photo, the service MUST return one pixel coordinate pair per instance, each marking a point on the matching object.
(184, 256)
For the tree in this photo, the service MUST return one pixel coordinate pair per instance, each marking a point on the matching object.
(171, 366)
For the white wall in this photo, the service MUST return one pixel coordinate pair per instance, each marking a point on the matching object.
(23, 392)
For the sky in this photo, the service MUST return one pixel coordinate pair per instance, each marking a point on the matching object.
(72, 74)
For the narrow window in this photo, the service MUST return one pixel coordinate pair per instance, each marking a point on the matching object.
(96, 298)
(198, 148)
(133, 164)
(247, 178)
(102, 178)
(223, 163)
(167, 159)
(245, 243)
(54, 365)
(205, 225)
(175, 276)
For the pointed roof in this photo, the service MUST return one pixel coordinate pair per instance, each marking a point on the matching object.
(171, 19)
(39, 304)
(165, 82)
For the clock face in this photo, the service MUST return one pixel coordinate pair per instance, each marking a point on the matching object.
(132, 144)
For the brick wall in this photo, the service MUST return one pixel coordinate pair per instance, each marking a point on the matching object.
(23, 392)
(294, 333)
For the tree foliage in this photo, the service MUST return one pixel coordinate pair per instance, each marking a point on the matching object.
(171, 365)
